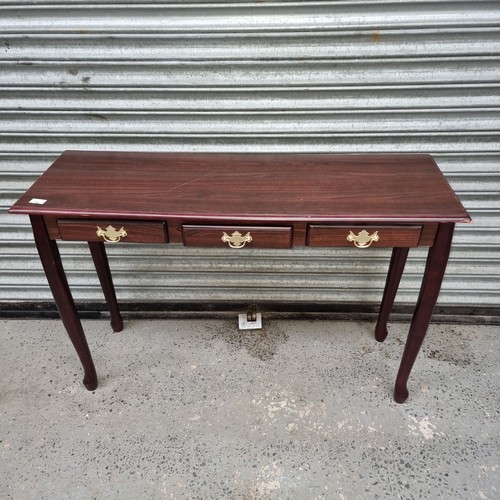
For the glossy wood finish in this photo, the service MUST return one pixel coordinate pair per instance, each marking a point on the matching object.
(51, 262)
(137, 232)
(283, 200)
(256, 187)
(262, 237)
(396, 268)
(429, 291)
(389, 236)
(101, 264)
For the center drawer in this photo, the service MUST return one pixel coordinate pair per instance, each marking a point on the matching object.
(237, 236)
(113, 231)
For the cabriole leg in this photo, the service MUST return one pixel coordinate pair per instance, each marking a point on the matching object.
(396, 267)
(51, 261)
(103, 272)
(437, 259)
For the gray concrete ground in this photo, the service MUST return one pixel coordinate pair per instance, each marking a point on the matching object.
(195, 409)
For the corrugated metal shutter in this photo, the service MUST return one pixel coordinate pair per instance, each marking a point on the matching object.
(296, 76)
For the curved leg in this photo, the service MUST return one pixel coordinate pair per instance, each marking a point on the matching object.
(436, 264)
(51, 261)
(396, 267)
(100, 259)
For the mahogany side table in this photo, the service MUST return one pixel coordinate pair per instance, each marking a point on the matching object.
(238, 201)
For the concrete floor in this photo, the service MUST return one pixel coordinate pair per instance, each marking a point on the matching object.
(194, 409)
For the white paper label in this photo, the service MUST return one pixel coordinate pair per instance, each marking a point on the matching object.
(37, 201)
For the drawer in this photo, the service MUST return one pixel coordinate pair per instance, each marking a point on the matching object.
(363, 236)
(237, 236)
(113, 231)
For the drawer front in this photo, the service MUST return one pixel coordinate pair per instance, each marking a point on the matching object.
(113, 231)
(237, 236)
(363, 236)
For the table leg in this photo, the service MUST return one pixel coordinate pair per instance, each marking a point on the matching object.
(396, 267)
(101, 263)
(434, 271)
(51, 261)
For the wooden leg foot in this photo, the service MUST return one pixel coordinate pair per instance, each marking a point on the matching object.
(400, 394)
(90, 381)
(380, 333)
(117, 324)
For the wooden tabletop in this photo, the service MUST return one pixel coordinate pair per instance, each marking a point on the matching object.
(258, 187)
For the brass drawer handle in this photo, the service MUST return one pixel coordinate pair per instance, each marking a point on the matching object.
(363, 239)
(236, 240)
(111, 234)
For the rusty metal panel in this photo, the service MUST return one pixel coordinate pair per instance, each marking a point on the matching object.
(295, 76)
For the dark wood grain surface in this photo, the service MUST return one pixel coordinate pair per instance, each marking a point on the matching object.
(257, 187)
(315, 199)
